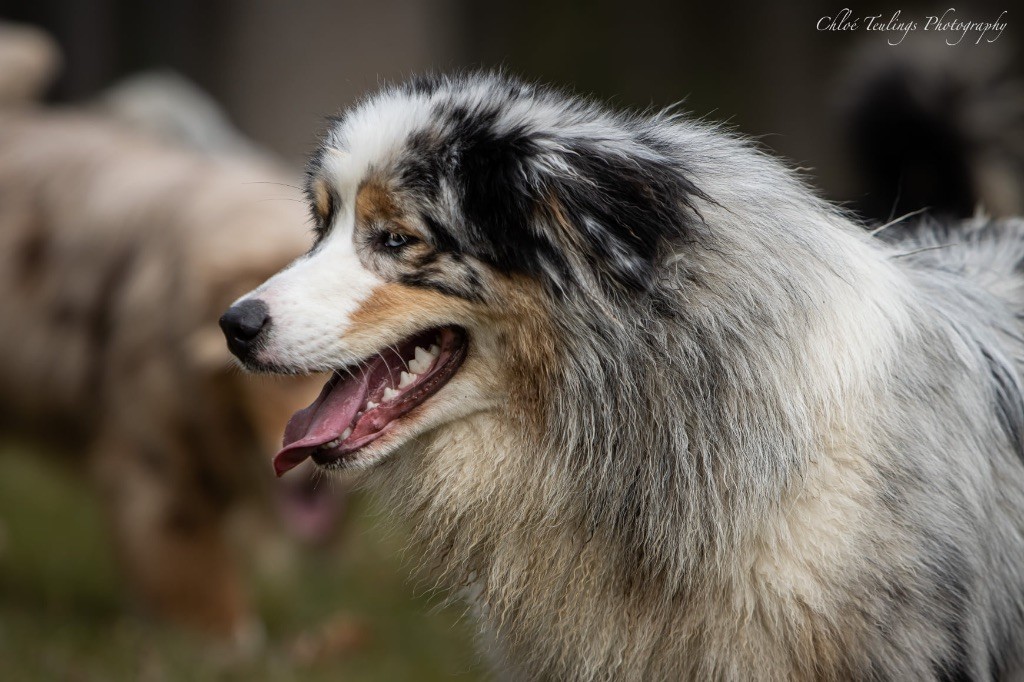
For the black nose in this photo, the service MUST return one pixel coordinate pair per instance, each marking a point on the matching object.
(243, 324)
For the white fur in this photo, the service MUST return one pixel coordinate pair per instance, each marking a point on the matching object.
(311, 301)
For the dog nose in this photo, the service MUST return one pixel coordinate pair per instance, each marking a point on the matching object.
(242, 325)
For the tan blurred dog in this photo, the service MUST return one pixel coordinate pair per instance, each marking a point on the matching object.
(117, 255)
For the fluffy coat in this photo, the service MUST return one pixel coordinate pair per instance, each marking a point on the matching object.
(708, 426)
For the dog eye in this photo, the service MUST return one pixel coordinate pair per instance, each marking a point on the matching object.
(395, 240)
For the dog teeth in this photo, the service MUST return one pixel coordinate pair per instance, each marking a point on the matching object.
(389, 393)
(406, 379)
(424, 358)
(370, 404)
(337, 441)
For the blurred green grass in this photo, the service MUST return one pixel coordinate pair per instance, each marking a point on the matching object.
(64, 614)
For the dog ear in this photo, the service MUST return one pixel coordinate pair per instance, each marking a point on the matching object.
(618, 205)
(499, 196)
(622, 207)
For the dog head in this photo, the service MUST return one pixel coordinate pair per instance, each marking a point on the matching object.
(451, 216)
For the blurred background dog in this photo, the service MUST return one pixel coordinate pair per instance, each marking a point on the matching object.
(112, 282)
(926, 130)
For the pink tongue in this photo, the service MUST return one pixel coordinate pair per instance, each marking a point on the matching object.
(323, 421)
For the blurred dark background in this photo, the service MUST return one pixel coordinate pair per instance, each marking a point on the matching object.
(280, 67)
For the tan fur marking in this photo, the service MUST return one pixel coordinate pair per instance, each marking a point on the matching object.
(519, 331)
(376, 204)
(528, 336)
(397, 309)
(323, 203)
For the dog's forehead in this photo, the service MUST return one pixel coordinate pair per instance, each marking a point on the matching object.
(381, 133)
(371, 139)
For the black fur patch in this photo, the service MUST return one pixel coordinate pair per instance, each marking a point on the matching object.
(623, 206)
(493, 171)
(626, 209)
(444, 239)
(444, 284)
(422, 167)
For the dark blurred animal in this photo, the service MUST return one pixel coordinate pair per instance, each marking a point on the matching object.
(934, 129)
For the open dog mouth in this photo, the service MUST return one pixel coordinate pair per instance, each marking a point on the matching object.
(362, 402)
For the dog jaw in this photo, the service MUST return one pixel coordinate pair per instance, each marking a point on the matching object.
(307, 337)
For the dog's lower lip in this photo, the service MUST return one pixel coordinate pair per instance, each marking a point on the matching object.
(360, 404)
